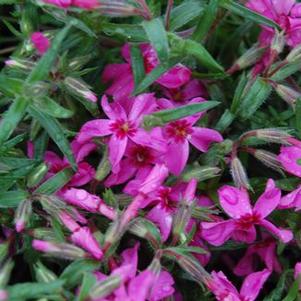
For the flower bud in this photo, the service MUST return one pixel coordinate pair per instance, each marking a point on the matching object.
(250, 57)
(104, 288)
(278, 42)
(239, 174)
(36, 176)
(5, 272)
(43, 274)
(51, 203)
(273, 135)
(268, 159)
(181, 220)
(77, 86)
(68, 221)
(143, 228)
(288, 94)
(104, 167)
(40, 233)
(20, 64)
(22, 215)
(59, 250)
(201, 173)
(117, 8)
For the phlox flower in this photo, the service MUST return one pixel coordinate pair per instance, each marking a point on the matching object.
(290, 158)
(241, 226)
(224, 290)
(121, 127)
(286, 13)
(121, 77)
(291, 200)
(84, 4)
(179, 134)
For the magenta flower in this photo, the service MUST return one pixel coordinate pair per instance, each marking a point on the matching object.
(290, 158)
(224, 290)
(241, 226)
(291, 200)
(122, 86)
(297, 272)
(40, 42)
(121, 127)
(138, 161)
(166, 201)
(178, 135)
(86, 4)
(59, 3)
(266, 251)
(286, 13)
(85, 172)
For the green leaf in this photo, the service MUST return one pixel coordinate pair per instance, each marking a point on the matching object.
(157, 35)
(88, 281)
(11, 199)
(243, 11)
(152, 77)
(225, 121)
(12, 117)
(188, 47)
(286, 71)
(254, 97)
(184, 13)
(55, 131)
(137, 64)
(45, 64)
(206, 21)
(75, 271)
(52, 108)
(293, 291)
(25, 291)
(164, 116)
(56, 182)
(10, 86)
(238, 93)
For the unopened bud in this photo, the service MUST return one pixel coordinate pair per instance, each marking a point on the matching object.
(116, 8)
(36, 176)
(144, 228)
(20, 64)
(22, 215)
(288, 94)
(181, 220)
(43, 274)
(249, 58)
(105, 288)
(5, 272)
(80, 88)
(268, 159)
(201, 173)
(41, 233)
(37, 90)
(239, 174)
(104, 166)
(78, 62)
(273, 135)
(278, 42)
(59, 250)
(51, 203)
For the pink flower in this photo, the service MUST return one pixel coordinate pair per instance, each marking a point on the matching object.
(121, 78)
(138, 161)
(266, 250)
(85, 171)
(59, 3)
(83, 238)
(291, 200)
(40, 42)
(297, 272)
(178, 135)
(166, 200)
(121, 127)
(224, 290)
(44, 246)
(286, 13)
(87, 201)
(241, 227)
(290, 158)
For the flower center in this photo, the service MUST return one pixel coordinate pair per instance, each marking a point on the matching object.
(248, 220)
(284, 22)
(166, 201)
(123, 128)
(141, 156)
(179, 130)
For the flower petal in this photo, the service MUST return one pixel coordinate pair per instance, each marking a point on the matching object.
(201, 138)
(284, 235)
(116, 151)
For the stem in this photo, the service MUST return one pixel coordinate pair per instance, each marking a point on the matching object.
(147, 13)
(7, 50)
(168, 12)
